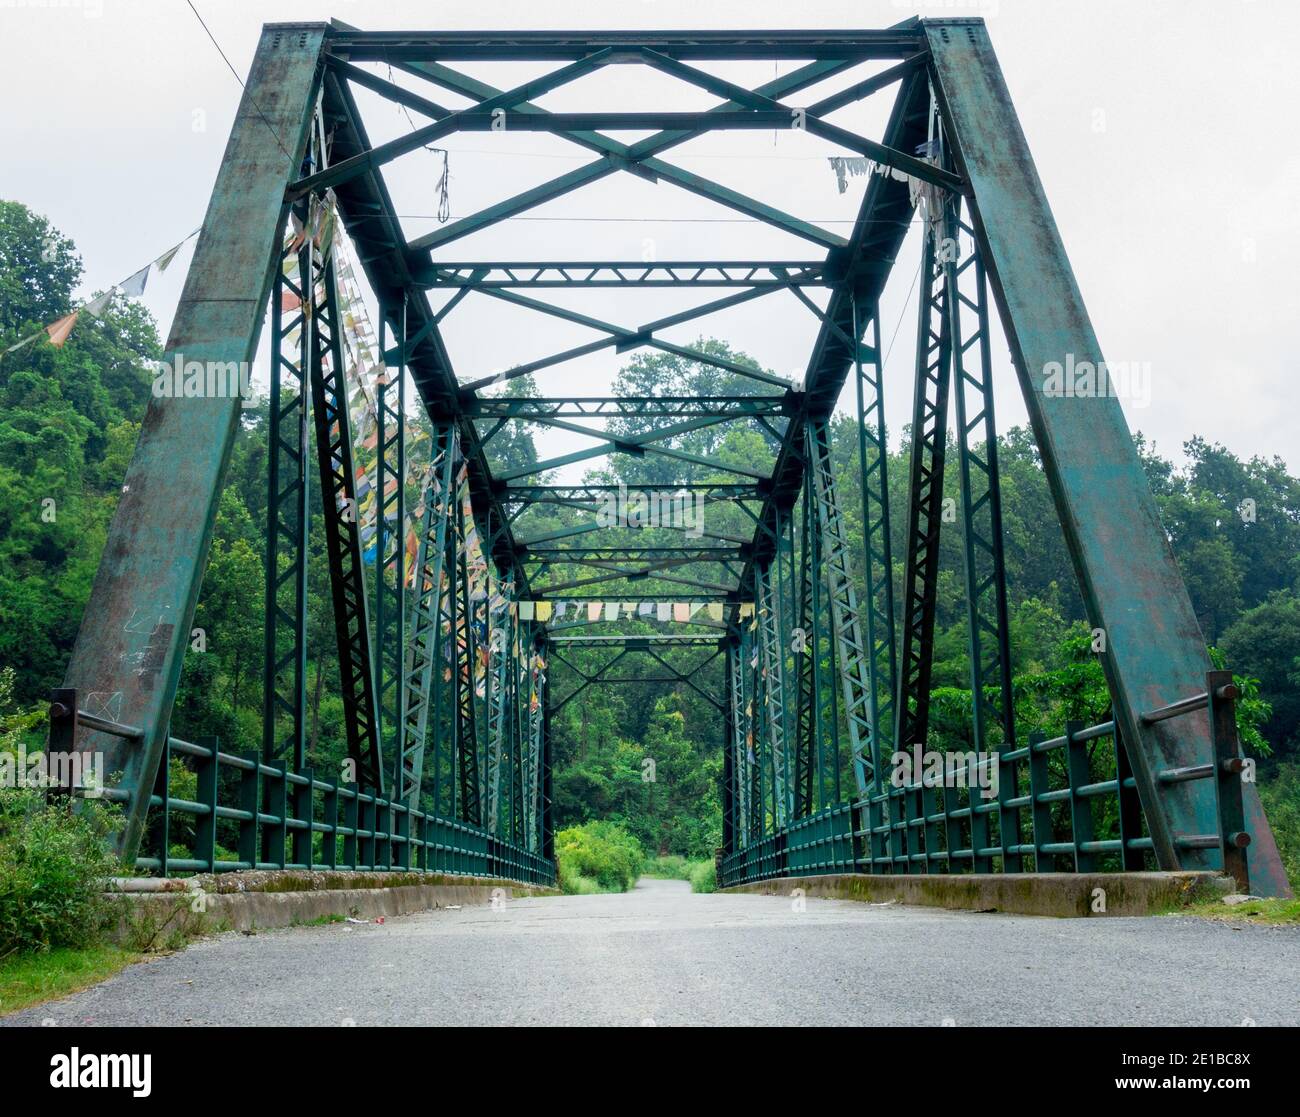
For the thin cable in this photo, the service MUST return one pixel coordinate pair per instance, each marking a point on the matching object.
(902, 314)
(242, 86)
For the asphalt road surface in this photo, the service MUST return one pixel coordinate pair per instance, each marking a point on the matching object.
(662, 956)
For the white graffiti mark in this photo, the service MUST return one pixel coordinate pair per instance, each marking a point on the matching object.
(105, 705)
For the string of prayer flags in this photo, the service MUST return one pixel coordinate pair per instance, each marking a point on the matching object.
(132, 288)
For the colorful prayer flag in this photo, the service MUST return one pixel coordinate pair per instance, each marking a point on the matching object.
(133, 288)
(59, 330)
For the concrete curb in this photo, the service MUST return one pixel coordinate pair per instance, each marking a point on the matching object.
(171, 910)
(1055, 894)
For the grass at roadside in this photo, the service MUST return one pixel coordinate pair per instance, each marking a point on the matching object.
(1275, 912)
(35, 976)
(700, 873)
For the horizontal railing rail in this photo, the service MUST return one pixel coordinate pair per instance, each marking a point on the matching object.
(919, 827)
(278, 819)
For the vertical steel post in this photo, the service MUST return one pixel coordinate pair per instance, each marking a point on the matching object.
(343, 547)
(925, 504)
(1228, 769)
(423, 658)
(873, 463)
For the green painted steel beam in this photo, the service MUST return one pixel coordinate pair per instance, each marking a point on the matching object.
(638, 159)
(800, 119)
(623, 273)
(528, 409)
(507, 46)
(128, 654)
(863, 266)
(479, 118)
(593, 494)
(627, 338)
(370, 218)
(1155, 649)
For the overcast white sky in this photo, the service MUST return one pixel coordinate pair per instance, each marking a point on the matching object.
(1162, 131)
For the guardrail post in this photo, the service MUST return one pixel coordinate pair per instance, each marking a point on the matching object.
(304, 838)
(276, 788)
(1042, 812)
(205, 826)
(383, 828)
(946, 799)
(162, 788)
(1077, 768)
(420, 827)
(900, 838)
(250, 803)
(63, 733)
(352, 821)
(402, 828)
(1008, 817)
(366, 823)
(1130, 807)
(330, 813)
(1228, 767)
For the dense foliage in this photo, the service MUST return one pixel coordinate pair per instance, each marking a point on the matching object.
(597, 857)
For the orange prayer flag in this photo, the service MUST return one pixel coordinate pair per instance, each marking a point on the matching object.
(59, 330)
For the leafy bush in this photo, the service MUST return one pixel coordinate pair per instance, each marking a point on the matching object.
(1281, 796)
(53, 867)
(668, 867)
(599, 852)
(703, 876)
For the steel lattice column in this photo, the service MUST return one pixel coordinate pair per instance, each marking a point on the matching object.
(925, 505)
(390, 543)
(878, 603)
(426, 640)
(467, 765)
(852, 659)
(284, 685)
(771, 640)
(988, 626)
(342, 534)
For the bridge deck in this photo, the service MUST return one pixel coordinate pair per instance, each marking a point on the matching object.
(665, 955)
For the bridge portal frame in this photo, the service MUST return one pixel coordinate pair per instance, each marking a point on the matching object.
(953, 132)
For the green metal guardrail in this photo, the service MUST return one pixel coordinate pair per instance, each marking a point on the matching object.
(920, 829)
(292, 820)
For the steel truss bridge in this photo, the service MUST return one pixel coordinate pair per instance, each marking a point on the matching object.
(452, 669)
